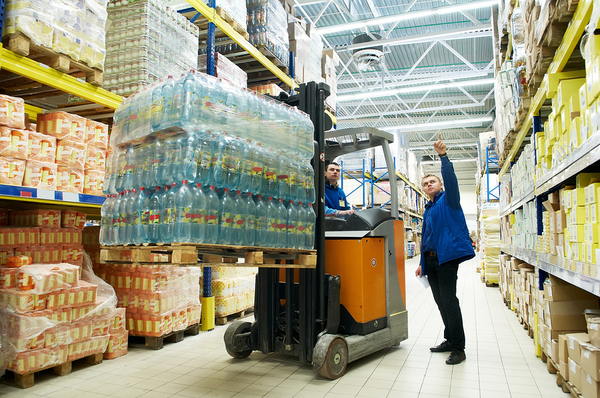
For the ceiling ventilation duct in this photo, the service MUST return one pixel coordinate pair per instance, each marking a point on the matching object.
(370, 57)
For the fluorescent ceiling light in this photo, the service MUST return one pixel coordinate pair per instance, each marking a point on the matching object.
(453, 161)
(407, 16)
(414, 89)
(438, 125)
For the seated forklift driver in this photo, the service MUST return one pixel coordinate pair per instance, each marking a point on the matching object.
(336, 204)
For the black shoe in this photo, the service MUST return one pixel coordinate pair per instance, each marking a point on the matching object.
(444, 347)
(456, 357)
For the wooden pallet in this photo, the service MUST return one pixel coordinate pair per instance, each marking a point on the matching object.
(202, 23)
(222, 320)
(157, 343)
(22, 45)
(180, 255)
(28, 379)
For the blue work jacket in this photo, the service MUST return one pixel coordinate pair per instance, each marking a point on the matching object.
(335, 199)
(447, 221)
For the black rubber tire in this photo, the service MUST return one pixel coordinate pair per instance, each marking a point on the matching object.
(336, 360)
(235, 328)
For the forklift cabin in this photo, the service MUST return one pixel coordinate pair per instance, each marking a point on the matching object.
(352, 303)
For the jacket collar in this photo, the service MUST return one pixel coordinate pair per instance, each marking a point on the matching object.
(435, 199)
(329, 185)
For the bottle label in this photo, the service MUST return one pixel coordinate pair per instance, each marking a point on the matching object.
(197, 218)
(256, 169)
(293, 179)
(292, 228)
(154, 217)
(211, 217)
(250, 222)
(281, 227)
(136, 218)
(145, 217)
(230, 163)
(283, 177)
(272, 225)
(300, 228)
(226, 220)
(123, 219)
(169, 216)
(238, 221)
(116, 222)
(185, 214)
(203, 160)
(270, 175)
(129, 169)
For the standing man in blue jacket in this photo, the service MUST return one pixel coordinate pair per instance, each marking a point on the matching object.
(335, 199)
(445, 243)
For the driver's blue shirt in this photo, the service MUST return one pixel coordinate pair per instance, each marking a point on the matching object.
(335, 199)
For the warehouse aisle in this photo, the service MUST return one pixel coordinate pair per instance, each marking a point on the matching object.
(500, 362)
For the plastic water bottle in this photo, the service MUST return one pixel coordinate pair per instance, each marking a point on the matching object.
(293, 173)
(116, 219)
(130, 165)
(191, 101)
(309, 182)
(281, 224)
(301, 226)
(121, 163)
(109, 176)
(291, 227)
(262, 223)
(167, 99)
(270, 174)
(177, 100)
(238, 219)
(169, 214)
(202, 157)
(123, 218)
(157, 162)
(189, 165)
(272, 221)
(147, 154)
(183, 204)
(310, 226)
(157, 106)
(198, 214)
(254, 161)
(155, 216)
(176, 146)
(250, 221)
(106, 220)
(283, 177)
(141, 217)
(227, 212)
(212, 216)
(131, 201)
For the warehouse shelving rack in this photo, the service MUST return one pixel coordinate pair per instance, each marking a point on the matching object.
(579, 273)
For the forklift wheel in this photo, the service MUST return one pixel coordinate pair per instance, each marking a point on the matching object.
(234, 329)
(335, 361)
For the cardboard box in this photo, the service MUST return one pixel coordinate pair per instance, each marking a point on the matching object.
(575, 374)
(566, 293)
(590, 388)
(574, 341)
(564, 370)
(590, 360)
(555, 350)
(563, 352)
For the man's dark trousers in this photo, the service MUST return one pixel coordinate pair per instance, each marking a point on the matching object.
(443, 286)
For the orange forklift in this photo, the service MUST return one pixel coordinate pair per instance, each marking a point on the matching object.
(352, 303)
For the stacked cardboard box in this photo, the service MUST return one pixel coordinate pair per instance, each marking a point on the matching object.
(233, 289)
(47, 236)
(307, 45)
(160, 298)
(524, 227)
(51, 316)
(490, 244)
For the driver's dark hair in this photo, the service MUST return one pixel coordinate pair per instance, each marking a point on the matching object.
(430, 175)
(332, 162)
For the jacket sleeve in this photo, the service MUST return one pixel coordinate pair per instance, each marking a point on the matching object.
(452, 195)
(329, 211)
(422, 259)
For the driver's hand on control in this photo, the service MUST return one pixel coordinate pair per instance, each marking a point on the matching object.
(346, 212)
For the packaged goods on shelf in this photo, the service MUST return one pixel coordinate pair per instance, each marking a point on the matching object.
(68, 27)
(70, 154)
(271, 89)
(72, 219)
(35, 218)
(12, 112)
(237, 9)
(308, 54)
(268, 28)
(505, 191)
(354, 161)
(53, 316)
(159, 298)
(225, 70)
(414, 170)
(70, 179)
(524, 229)
(13, 142)
(96, 134)
(95, 159)
(168, 148)
(490, 244)
(91, 244)
(93, 181)
(400, 154)
(62, 125)
(505, 120)
(41, 175)
(147, 41)
(41, 147)
(522, 173)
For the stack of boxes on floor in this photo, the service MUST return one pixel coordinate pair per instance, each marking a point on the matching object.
(522, 279)
(553, 222)
(159, 297)
(233, 289)
(225, 70)
(91, 244)
(67, 153)
(490, 245)
(51, 314)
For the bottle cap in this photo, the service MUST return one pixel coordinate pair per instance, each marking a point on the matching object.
(238, 192)
(173, 184)
(300, 203)
(250, 194)
(157, 189)
(167, 187)
(291, 201)
(183, 182)
(212, 187)
(270, 198)
(198, 184)
(226, 190)
(142, 188)
(280, 199)
(133, 190)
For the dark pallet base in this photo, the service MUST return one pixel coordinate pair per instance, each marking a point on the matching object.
(222, 320)
(157, 343)
(28, 379)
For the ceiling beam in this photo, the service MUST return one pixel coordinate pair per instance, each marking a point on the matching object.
(414, 110)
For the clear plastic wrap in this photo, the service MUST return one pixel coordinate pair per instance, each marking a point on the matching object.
(12, 112)
(41, 147)
(70, 179)
(490, 245)
(159, 298)
(62, 125)
(93, 181)
(233, 289)
(96, 134)
(41, 175)
(13, 142)
(95, 158)
(33, 18)
(516, 26)
(226, 70)
(71, 320)
(71, 154)
(267, 22)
